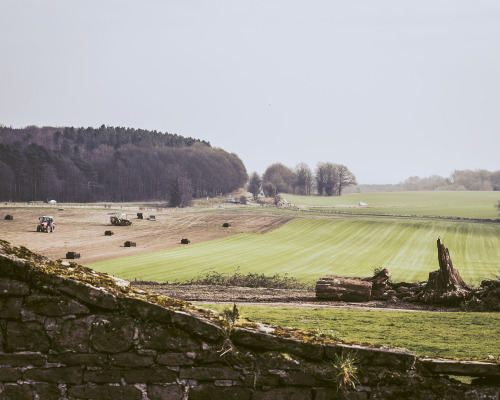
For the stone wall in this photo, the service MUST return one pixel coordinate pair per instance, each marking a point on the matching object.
(67, 332)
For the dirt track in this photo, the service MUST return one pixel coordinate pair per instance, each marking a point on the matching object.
(273, 297)
(82, 229)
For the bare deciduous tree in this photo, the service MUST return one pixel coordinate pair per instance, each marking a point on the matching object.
(345, 178)
(304, 179)
(254, 184)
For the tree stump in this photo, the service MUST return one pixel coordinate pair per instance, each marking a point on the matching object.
(444, 286)
(343, 289)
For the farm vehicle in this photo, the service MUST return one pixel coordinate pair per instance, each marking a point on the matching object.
(46, 224)
(120, 220)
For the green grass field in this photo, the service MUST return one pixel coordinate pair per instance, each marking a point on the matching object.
(307, 248)
(448, 204)
(451, 334)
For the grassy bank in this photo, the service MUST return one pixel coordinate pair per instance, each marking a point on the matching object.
(450, 334)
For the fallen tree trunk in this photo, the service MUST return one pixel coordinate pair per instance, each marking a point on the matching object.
(340, 288)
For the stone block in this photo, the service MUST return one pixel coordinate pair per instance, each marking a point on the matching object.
(68, 375)
(362, 395)
(13, 391)
(174, 359)
(260, 340)
(74, 359)
(173, 392)
(212, 392)
(55, 306)
(149, 375)
(223, 383)
(102, 376)
(88, 294)
(306, 350)
(209, 373)
(458, 367)
(74, 335)
(13, 267)
(9, 374)
(11, 308)
(265, 341)
(145, 310)
(298, 378)
(209, 357)
(22, 360)
(325, 394)
(257, 380)
(105, 392)
(112, 334)
(398, 359)
(289, 393)
(47, 391)
(160, 337)
(147, 352)
(131, 360)
(277, 361)
(197, 325)
(10, 287)
(27, 336)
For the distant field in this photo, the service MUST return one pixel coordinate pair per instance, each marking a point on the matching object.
(450, 204)
(424, 333)
(307, 248)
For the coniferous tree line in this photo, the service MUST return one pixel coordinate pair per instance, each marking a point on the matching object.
(112, 164)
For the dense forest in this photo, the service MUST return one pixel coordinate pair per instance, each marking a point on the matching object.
(112, 164)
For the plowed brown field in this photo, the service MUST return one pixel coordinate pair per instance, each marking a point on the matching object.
(81, 229)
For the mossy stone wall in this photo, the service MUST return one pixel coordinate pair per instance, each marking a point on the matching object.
(62, 337)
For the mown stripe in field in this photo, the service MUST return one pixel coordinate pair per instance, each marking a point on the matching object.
(310, 248)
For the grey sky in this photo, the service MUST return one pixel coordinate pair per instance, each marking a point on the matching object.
(389, 88)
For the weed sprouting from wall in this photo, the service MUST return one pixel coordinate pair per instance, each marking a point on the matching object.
(345, 371)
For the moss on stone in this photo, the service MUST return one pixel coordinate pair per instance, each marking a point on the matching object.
(40, 266)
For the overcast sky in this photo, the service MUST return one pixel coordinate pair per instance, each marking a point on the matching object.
(389, 88)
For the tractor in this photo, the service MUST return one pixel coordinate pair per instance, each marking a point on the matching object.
(46, 224)
(120, 220)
